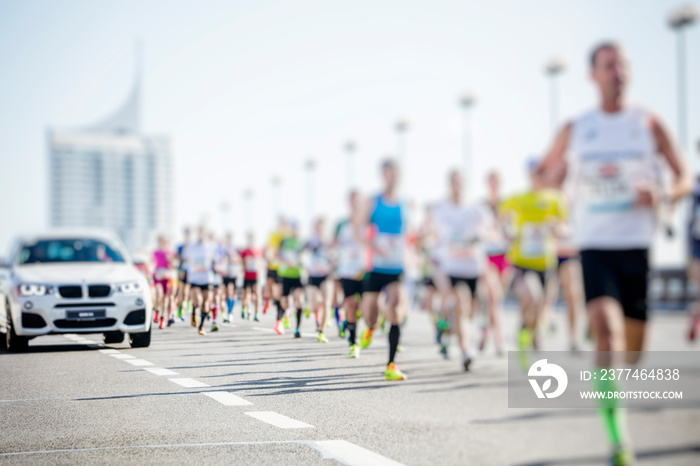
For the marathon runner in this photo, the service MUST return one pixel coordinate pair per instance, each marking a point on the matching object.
(386, 217)
(200, 258)
(252, 258)
(273, 284)
(535, 216)
(184, 302)
(164, 279)
(290, 271)
(351, 257)
(499, 272)
(319, 270)
(694, 264)
(461, 229)
(613, 159)
(232, 272)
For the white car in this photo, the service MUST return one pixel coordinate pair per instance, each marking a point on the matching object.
(73, 282)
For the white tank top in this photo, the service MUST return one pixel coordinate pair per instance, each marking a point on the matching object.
(608, 154)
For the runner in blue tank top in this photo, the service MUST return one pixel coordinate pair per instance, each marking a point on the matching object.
(386, 216)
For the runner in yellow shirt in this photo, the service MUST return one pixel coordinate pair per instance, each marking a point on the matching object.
(533, 220)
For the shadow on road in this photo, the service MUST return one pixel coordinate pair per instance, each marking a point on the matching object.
(659, 454)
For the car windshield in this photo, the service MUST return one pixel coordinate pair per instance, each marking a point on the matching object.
(68, 250)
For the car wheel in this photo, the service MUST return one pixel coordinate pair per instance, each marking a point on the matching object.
(140, 340)
(14, 342)
(113, 337)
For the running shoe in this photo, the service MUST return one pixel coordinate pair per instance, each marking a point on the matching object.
(354, 351)
(194, 319)
(443, 350)
(266, 307)
(400, 349)
(201, 331)
(341, 329)
(307, 312)
(466, 362)
(162, 323)
(214, 327)
(393, 373)
(322, 338)
(622, 456)
(297, 333)
(279, 328)
(366, 338)
(285, 320)
(243, 313)
(257, 317)
(179, 313)
(694, 328)
(156, 316)
(171, 321)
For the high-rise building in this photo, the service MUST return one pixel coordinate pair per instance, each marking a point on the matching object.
(110, 175)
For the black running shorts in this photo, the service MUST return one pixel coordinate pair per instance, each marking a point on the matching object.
(316, 281)
(377, 281)
(470, 282)
(618, 274)
(351, 287)
(289, 285)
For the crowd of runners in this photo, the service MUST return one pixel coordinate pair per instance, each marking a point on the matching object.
(584, 227)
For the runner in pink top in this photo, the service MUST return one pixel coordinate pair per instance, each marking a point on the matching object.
(163, 277)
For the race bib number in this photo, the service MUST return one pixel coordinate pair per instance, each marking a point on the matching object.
(389, 251)
(533, 240)
(608, 185)
(250, 264)
(291, 258)
(163, 274)
(199, 265)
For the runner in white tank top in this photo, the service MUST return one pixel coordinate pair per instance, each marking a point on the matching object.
(613, 165)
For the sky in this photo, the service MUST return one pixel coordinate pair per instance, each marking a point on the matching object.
(248, 90)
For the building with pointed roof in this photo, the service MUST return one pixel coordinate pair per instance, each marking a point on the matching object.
(111, 175)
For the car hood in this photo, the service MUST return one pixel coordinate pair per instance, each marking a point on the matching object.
(56, 274)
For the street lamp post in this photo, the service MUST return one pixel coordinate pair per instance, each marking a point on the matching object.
(678, 20)
(467, 102)
(225, 208)
(310, 166)
(553, 69)
(276, 182)
(248, 195)
(350, 148)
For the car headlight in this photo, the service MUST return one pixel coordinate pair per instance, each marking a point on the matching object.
(129, 287)
(33, 289)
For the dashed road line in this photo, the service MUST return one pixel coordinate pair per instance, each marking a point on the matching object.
(109, 351)
(189, 383)
(160, 371)
(279, 420)
(123, 356)
(227, 398)
(138, 362)
(351, 454)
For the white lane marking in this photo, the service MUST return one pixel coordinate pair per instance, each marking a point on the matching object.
(109, 351)
(318, 446)
(351, 454)
(123, 356)
(160, 371)
(278, 420)
(227, 398)
(139, 362)
(262, 329)
(189, 383)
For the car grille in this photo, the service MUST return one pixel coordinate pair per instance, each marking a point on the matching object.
(62, 323)
(70, 291)
(99, 291)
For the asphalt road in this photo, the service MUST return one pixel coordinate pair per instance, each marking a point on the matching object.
(245, 395)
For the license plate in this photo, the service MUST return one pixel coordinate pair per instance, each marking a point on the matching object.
(86, 314)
